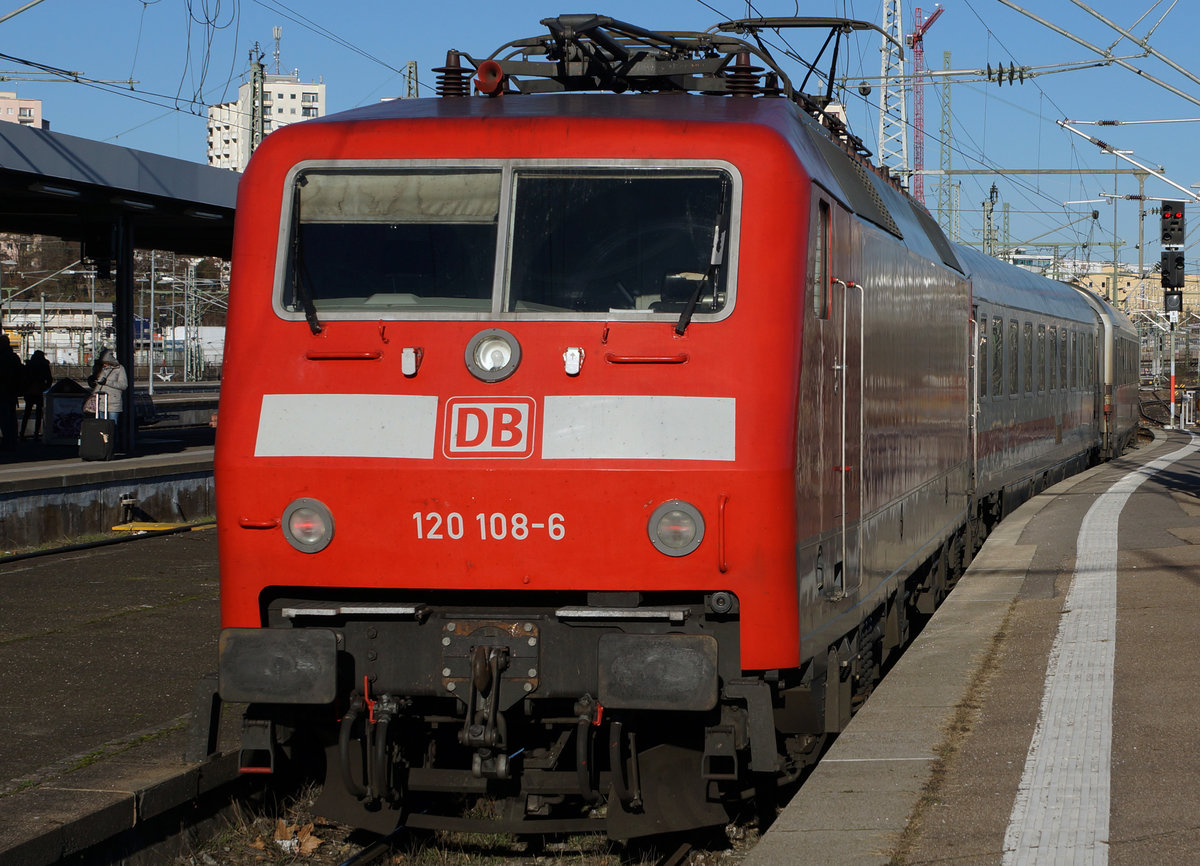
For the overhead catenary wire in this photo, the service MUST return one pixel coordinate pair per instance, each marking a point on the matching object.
(1102, 52)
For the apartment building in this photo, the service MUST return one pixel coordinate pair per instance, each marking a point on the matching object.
(27, 112)
(286, 99)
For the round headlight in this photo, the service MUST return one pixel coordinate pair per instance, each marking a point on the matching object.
(676, 528)
(493, 355)
(308, 525)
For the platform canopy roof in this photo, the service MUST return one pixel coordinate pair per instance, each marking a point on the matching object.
(78, 189)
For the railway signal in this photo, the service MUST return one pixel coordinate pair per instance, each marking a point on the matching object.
(1172, 269)
(1173, 224)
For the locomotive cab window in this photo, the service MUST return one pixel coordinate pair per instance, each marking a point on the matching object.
(601, 241)
(374, 240)
(507, 240)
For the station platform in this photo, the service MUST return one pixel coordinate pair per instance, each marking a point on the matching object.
(48, 494)
(1046, 712)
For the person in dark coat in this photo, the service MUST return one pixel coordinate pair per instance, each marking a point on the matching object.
(12, 377)
(37, 379)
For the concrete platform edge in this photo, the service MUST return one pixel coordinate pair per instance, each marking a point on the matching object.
(857, 804)
(111, 815)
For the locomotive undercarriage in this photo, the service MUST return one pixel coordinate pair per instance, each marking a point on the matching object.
(621, 713)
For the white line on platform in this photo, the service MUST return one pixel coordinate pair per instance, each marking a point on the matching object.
(1062, 806)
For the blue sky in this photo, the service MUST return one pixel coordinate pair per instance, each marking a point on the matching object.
(186, 53)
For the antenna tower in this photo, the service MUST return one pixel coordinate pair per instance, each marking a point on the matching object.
(410, 79)
(277, 31)
(916, 42)
(944, 182)
(893, 113)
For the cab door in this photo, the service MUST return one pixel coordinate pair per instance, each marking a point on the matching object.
(849, 465)
(838, 308)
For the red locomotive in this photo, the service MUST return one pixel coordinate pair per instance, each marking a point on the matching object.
(587, 450)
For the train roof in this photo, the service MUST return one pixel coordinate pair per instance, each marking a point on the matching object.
(998, 282)
(831, 163)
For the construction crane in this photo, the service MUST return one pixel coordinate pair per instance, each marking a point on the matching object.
(916, 42)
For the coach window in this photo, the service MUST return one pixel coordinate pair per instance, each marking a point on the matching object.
(1014, 377)
(997, 357)
(1091, 360)
(981, 357)
(821, 262)
(1064, 381)
(1027, 355)
(1074, 371)
(1041, 359)
(1052, 372)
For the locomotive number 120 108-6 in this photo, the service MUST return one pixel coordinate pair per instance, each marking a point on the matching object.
(494, 526)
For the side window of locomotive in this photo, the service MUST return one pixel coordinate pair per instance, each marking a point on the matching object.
(1053, 347)
(1014, 378)
(369, 240)
(1041, 358)
(981, 357)
(1027, 355)
(820, 276)
(997, 357)
(619, 240)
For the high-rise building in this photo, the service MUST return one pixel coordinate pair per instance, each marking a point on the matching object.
(286, 100)
(27, 112)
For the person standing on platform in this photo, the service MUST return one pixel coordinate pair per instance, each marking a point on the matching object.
(12, 377)
(37, 379)
(111, 381)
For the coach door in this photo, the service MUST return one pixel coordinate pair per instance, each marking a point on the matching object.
(840, 314)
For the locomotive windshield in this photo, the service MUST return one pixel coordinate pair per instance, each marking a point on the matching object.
(508, 241)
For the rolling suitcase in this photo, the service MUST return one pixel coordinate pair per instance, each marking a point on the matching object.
(98, 435)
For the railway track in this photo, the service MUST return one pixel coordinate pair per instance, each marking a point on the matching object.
(255, 836)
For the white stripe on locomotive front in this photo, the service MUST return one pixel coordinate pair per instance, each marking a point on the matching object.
(591, 427)
(609, 427)
(347, 425)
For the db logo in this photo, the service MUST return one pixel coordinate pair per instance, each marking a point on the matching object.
(482, 427)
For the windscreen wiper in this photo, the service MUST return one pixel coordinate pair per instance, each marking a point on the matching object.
(299, 289)
(715, 260)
